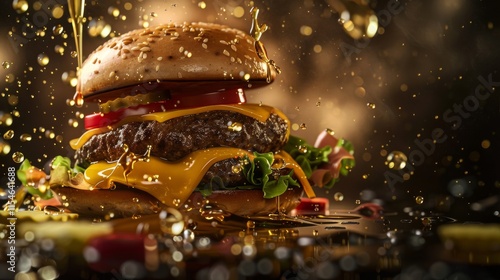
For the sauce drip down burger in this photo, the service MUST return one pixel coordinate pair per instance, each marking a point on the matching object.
(174, 128)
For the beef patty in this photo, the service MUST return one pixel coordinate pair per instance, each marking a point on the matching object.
(176, 138)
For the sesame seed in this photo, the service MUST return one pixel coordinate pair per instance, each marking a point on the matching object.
(157, 67)
(179, 75)
(160, 58)
(204, 46)
(225, 52)
(223, 42)
(181, 49)
(233, 47)
(145, 49)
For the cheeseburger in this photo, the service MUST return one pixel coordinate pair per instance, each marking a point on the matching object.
(174, 129)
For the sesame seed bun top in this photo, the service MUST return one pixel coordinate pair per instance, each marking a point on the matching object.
(186, 57)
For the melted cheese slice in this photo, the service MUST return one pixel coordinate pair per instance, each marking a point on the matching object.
(256, 111)
(173, 182)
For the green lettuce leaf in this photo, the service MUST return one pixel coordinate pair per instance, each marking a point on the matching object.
(307, 156)
(22, 175)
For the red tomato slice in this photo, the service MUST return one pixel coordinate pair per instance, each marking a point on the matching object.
(235, 96)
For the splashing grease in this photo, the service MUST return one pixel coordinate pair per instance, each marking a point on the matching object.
(76, 9)
(257, 30)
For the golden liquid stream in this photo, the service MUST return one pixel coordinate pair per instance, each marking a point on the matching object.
(76, 8)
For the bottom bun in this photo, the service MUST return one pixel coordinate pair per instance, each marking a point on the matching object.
(129, 202)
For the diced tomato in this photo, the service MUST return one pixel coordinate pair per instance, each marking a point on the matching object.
(180, 101)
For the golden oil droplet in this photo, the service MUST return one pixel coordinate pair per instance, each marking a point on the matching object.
(303, 126)
(70, 102)
(113, 11)
(278, 163)
(315, 232)
(396, 160)
(57, 29)
(73, 123)
(171, 221)
(20, 6)
(358, 202)
(318, 103)
(74, 54)
(4, 148)
(43, 59)
(5, 65)
(25, 137)
(302, 149)
(202, 5)
(176, 202)
(50, 134)
(9, 134)
(365, 176)
(135, 200)
(78, 98)
(250, 224)
(371, 105)
(59, 49)
(236, 169)
(18, 157)
(338, 196)
(419, 199)
(235, 126)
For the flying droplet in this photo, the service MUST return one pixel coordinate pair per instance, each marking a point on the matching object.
(171, 221)
(236, 168)
(338, 196)
(59, 49)
(20, 6)
(113, 11)
(57, 29)
(235, 126)
(18, 157)
(43, 59)
(6, 65)
(25, 137)
(9, 134)
(396, 160)
(419, 199)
